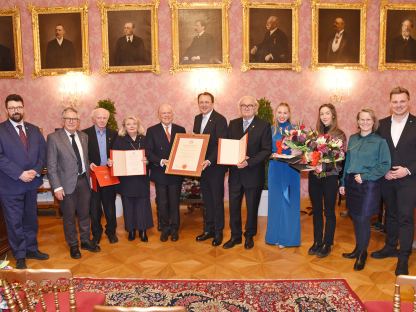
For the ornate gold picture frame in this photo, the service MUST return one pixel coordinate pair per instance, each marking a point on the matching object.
(339, 35)
(130, 37)
(11, 60)
(397, 49)
(60, 40)
(200, 35)
(270, 35)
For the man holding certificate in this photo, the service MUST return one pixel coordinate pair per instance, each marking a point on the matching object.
(212, 178)
(247, 177)
(159, 140)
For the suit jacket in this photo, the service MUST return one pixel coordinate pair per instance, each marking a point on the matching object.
(346, 53)
(93, 149)
(131, 53)
(401, 50)
(276, 44)
(259, 148)
(158, 148)
(60, 56)
(14, 158)
(202, 46)
(62, 162)
(6, 59)
(404, 154)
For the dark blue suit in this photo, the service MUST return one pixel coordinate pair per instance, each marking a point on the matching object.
(18, 197)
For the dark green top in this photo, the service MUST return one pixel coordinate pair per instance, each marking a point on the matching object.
(369, 156)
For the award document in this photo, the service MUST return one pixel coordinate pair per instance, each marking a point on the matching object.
(187, 154)
(127, 163)
(232, 152)
(101, 175)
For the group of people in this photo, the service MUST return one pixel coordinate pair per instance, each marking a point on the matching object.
(379, 160)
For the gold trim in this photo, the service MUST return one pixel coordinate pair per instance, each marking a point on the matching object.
(35, 11)
(153, 8)
(384, 7)
(362, 6)
(175, 6)
(14, 12)
(294, 6)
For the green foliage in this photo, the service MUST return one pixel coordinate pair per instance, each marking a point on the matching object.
(265, 112)
(109, 105)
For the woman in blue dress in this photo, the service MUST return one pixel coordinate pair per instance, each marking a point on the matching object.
(283, 222)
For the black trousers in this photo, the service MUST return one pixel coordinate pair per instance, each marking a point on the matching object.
(236, 192)
(76, 205)
(212, 188)
(103, 200)
(167, 202)
(323, 194)
(400, 199)
(362, 231)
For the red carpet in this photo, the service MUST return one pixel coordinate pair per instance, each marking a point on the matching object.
(228, 295)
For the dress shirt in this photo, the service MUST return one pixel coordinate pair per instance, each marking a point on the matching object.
(169, 128)
(337, 41)
(397, 129)
(79, 145)
(248, 121)
(204, 121)
(15, 124)
(102, 144)
(60, 40)
(272, 31)
(129, 38)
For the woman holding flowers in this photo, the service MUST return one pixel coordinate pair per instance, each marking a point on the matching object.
(368, 160)
(283, 222)
(323, 181)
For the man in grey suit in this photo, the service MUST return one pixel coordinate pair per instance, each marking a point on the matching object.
(68, 173)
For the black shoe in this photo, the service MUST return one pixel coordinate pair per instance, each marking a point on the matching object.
(74, 252)
(385, 252)
(112, 238)
(351, 255)
(204, 236)
(90, 246)
(402, 267)
(314, 248)
(96, 239)
(164, 236)
(143, 236)
(217, 240)
(249, 243)
(232, 242)
(324, 251)
(38, 255)
(132, 235)
(21, 264)
(360, 262)
(174, 237)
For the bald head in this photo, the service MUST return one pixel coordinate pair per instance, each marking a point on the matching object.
(272, 23)
(100, 117)
(339, 24)
(165, 113)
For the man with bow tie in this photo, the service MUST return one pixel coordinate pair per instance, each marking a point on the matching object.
(130, 50)
(22, 159)
(402, 48)
(202, 48)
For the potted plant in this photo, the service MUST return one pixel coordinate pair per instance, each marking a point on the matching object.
(109, 105)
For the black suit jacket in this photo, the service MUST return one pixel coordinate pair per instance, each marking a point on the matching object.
(259, 148)
(400, 50)
(204, 47)
(277, 45)
(60, 56)
(348, 51)
(158, 148)
(404, 154)
(93, 149)
(133, 53)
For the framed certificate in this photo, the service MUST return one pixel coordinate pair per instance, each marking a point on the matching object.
(232, 152)
(187, 154)
(128, 163)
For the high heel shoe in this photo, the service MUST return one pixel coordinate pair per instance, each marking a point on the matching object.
(132, 235)
(143, 236)
(360, 262)
(351, 255)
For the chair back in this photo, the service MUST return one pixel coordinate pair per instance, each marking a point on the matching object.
(101, 308)
(400, 281)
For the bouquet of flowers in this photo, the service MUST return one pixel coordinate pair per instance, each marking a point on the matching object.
(298, 138)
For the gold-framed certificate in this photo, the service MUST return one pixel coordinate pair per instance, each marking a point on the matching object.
(128, 163)
(187, 154)
(232, 152)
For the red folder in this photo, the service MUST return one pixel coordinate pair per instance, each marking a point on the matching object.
(101, 175)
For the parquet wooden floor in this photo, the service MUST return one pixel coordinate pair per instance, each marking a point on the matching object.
(187, 258)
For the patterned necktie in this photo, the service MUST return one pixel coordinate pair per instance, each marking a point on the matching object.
(77, 154)
(22, 136)
(167, 133)
(246, 123)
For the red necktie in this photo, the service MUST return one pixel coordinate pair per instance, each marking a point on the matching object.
(22, 136)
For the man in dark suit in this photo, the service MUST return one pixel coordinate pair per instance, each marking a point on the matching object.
(212, 179)
(6, 59)
(22, 158)
(68, 173)
(399, 183)
(100, 141)
(275, 45)
(60, 52)
(159, 139)
(202, 48)
(402, 48)
(247, 178)
(130, 49)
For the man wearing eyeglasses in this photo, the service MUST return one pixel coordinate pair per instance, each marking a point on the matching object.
(69, 178)
(247, 177)
(22, 158)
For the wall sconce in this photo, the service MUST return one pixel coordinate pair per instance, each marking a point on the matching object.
(206, 80)
(338, 82)
(73, 86)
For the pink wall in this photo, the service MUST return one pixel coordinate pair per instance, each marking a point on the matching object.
(141, 93)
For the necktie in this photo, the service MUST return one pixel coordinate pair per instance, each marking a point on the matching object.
(77, 154)
(167, 133)
(128, 40)
(22, 136)
(246, 123)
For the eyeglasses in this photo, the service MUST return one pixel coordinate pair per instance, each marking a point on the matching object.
(16, 108)
(71, 119)
(250, 106)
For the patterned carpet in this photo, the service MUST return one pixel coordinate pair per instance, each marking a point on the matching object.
(228, 295)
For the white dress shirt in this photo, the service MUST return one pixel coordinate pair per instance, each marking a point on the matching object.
(337, 41)
(397, 129)
(15, 124)
(204, 121)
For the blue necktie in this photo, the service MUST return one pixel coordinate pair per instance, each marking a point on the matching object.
(246, 123)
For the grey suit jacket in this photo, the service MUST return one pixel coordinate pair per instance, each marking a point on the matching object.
(62, 162)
